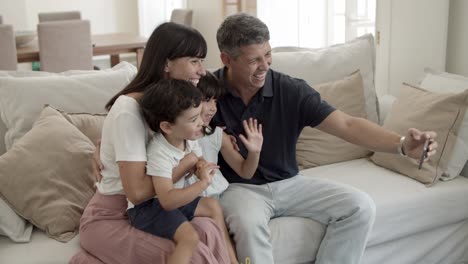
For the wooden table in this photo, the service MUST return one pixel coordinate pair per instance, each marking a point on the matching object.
(112, 44)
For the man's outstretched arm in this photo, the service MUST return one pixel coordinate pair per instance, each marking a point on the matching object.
(376, 138)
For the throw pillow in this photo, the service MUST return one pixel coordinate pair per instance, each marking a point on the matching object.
(443, 82)
(314, 147)
(23, 95)
(89, 124)
(332, 63)
(13, 226)
(46, 177)
(415, 107)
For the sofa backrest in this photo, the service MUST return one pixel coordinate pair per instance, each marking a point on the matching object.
(23, 95)
(317, 66)
(332, 63)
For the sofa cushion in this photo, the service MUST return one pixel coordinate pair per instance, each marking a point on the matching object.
(49, 188)
(442, 113)
(41, 250)
(404, 206)
(22, 98)
(89, 124)
(23, 95)
(444, 82)
(314, 147)
(332, 63)
(12, 225)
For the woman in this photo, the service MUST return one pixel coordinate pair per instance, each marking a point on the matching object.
(172, 51)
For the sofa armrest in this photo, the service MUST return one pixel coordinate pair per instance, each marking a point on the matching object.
(385, 104)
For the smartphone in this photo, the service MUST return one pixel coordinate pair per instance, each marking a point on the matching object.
(424, 153)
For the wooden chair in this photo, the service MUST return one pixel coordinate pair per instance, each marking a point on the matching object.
(65, 45)
(54, 16)
(182, 16)
(8, 59)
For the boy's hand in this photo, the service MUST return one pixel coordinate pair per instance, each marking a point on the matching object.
(193, 159)
(253, 130)
(205, 170)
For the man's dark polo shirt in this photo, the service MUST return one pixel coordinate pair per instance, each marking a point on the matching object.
(284, 106)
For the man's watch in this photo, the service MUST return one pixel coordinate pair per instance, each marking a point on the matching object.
(400, 148)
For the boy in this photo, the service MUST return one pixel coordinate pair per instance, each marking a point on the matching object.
(172, 109)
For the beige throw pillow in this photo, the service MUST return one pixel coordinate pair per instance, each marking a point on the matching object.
(314, 147)
(46, 177)
(415, 107)
(89, 124)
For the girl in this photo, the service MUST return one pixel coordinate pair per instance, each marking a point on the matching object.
(216, 140)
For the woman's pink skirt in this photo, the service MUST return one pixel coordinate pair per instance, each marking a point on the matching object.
(107, 237)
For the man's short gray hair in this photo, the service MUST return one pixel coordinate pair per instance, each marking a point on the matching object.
(240, 30)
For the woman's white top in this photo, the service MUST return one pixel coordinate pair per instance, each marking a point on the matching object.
(124, 138)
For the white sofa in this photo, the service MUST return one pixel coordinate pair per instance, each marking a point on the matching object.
(414, 223)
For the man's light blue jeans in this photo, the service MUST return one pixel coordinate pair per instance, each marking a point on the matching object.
(347, 212)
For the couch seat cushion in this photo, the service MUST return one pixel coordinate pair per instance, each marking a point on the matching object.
(401, 202)
(40, 250)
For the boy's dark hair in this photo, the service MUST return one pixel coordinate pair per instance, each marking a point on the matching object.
(210, 86)
(166, 100)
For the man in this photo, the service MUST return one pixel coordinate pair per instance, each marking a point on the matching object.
(284, 106)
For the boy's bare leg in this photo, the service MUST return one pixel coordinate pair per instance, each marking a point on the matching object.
(210, 207)
(186, 240)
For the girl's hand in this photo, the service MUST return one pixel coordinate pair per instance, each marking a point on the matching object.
(253, 130)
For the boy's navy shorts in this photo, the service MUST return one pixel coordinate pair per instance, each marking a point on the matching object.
(150, 217)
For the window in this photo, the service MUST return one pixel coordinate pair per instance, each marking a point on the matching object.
(151, 13)
(316, 23)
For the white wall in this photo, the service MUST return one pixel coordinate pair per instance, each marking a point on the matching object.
(457, 46)
(106, 16)
(14, 13)
(413, 36)
(207, 16)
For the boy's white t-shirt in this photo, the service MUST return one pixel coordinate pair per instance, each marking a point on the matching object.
(211, 145)
(163, 157)
(124, 138)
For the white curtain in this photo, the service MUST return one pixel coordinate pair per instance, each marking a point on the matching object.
(151, 13)
(316, 23)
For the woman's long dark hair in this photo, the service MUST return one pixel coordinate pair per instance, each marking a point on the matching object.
(167, 42)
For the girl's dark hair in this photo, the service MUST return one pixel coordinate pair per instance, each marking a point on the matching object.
(210, 86)
(166, 100)
(167, 42)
